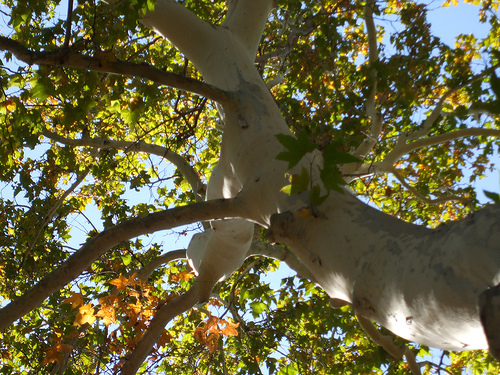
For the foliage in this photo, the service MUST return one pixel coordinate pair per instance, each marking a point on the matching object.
(55, 194)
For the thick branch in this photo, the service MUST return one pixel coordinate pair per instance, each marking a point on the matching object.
(99, 244)
(247, 19)
(195, 38)
(70, 58)
(139, 146)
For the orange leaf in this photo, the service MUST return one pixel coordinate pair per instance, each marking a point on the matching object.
(107, 313)
(230, 329)
(85, 315)
(76, 300)
(184, 275)
(120, 283)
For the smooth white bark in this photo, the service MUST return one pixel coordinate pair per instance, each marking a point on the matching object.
(423, 285)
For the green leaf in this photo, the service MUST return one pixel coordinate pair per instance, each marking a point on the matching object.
(315, 197)
(297, 148)
(300, 183)
(495, 197)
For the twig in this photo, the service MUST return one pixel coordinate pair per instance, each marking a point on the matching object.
(423, 198)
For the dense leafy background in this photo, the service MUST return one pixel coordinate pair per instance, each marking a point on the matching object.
(55, 195)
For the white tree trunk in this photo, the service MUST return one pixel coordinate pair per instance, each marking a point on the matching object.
(421, 284)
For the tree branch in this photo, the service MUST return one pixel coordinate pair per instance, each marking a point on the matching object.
(69, 57)
(99, 244)
(371, 109)
(423, 198)
(403, 148)
(195, 38)
(146, 271)
(139, 146)
(246, 19)
(49, 216)
(164, 314)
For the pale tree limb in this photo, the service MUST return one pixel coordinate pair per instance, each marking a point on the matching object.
(99, 244)
(246, 19)
(139, 146)
(388, 344)
(371, 109)
(423, 198)
(164, 314)
(194, 37)
(434, 115)
(71, 58)
(402, 148)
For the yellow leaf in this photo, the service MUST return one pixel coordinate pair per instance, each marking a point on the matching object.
(76, 300)
(85, 315)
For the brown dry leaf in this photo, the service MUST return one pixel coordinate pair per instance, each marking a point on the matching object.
(52, 356)
(76, 300)
(230, 329)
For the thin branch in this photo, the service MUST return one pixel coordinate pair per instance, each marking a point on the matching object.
(69, 57)
(139, 146)
(371, 109)
(99, 244)
(431, 119)
(403, 148)
(146, 271)
(69, 17)
(423, 198)
(50, 215)
(280, 253)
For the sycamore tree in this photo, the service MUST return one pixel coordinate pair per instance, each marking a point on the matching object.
(341, 138)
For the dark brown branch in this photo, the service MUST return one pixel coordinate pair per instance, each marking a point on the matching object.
(106, 63)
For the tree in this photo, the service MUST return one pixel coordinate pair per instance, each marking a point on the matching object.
(296, 114)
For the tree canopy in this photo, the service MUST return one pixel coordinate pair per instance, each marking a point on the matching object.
(109, 135)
